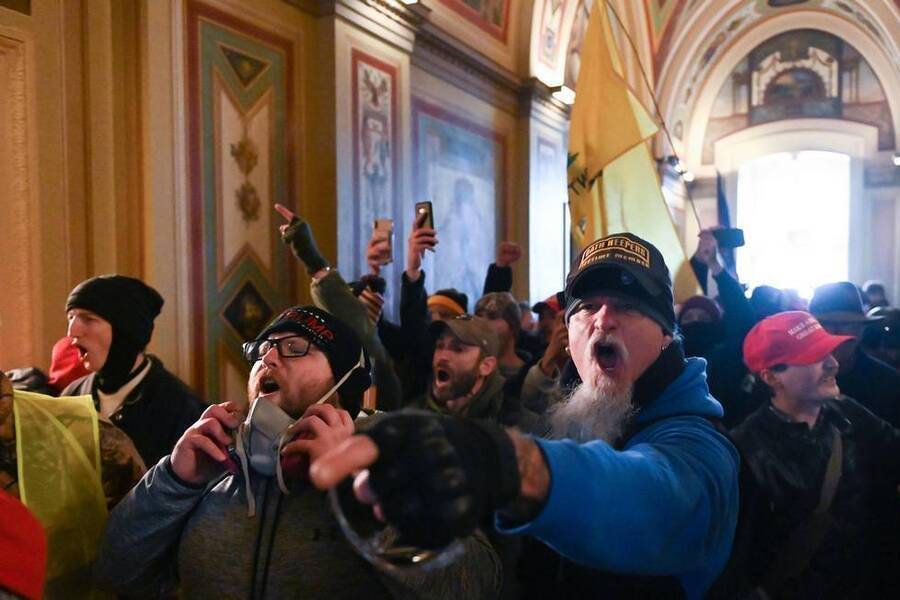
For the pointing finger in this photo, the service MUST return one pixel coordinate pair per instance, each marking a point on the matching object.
(284, 212)
(352, 455)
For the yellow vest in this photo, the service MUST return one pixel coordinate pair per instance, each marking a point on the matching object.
(58, 452)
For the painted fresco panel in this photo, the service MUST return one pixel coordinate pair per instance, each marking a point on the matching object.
(576, 40)
(244, 184)
(551, 31)
(799, 74)
(662, 20)
(661, 17)
(241, 162)
(376, 146)
(491, 16)
(459, 167)
(376, 150)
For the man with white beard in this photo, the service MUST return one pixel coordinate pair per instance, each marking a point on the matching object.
(641, 501)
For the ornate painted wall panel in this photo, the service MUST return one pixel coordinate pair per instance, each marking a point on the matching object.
(460, 167)
(491, 16)
(576, 39)
(376, 149)
(800, 74)
(17, 267)
(734, 25)
(551, 31)
(662, 17)
(241, 162)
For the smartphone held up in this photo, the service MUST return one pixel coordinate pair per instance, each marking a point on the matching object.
(729, 237)
(424, 215)
(383, 231)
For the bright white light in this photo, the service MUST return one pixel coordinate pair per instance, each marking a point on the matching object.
(688, 176)
(896, 159)
(564, 94)
(795, 211)
(409, 1)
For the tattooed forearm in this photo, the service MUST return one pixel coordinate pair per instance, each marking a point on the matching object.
(535, 477)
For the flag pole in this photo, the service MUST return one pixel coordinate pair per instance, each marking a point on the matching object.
(662, 121)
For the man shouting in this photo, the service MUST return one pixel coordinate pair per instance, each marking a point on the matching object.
(641, 495)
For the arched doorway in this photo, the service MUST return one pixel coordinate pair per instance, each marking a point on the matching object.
(795, 207)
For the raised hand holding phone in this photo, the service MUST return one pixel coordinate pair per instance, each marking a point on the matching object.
(383, 240)
(421, 238)
(425, 212)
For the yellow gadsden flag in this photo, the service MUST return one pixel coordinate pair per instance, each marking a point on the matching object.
(613, 184)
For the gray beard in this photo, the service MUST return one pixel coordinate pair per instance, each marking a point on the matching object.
(589, 414)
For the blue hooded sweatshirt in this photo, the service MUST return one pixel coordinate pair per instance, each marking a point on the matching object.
(666, 504)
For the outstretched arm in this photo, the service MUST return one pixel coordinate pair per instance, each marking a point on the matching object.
(677, 489)
(298, 235)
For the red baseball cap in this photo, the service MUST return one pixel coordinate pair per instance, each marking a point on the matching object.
(792, 338)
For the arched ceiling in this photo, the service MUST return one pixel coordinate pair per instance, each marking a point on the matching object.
(711, 36)
(689, 47)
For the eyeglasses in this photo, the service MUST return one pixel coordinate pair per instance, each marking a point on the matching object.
(292, 346)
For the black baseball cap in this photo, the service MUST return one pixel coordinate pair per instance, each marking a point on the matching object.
(623, 264)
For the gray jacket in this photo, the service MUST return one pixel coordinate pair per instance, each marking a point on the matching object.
(165, 536)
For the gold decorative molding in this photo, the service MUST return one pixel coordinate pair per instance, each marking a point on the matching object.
(22, 6)
(16, 309)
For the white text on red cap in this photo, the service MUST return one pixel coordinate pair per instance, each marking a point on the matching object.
(803, 329)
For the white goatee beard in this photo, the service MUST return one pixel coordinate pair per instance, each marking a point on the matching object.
(593, 413)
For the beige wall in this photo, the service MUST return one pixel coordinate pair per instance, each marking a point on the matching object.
(43, 160)
(94, 157)
(93, 140)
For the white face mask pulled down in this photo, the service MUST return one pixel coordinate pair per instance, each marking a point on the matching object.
(261, 437)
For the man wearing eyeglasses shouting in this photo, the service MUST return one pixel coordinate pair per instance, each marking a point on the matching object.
(186, 524)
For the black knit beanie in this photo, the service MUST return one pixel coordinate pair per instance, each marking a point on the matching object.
(340, 344)
(130, 306)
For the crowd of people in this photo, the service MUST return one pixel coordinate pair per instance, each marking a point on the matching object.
(603, 441)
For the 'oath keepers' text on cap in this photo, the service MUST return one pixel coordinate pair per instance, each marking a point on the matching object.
(617, 247)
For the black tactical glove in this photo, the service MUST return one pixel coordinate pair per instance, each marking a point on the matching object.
(299, 236)
(437, 478)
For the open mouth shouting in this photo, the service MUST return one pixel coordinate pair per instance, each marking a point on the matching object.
(268, 386)
(86, 356)
(82, 351)
(608, 355)
(442, 376)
